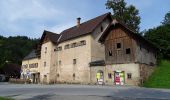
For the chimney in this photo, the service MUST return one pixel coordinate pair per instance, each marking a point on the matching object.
(78, 21)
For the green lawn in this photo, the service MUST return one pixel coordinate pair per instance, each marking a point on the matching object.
(160, 77)
(4, 98)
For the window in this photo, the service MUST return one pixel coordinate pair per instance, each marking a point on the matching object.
(140, 47)
(59, 62)
(74, 61)
(74, 75)
(83, 42)
(129, 75)
(128, 51)
(73, 45)
(45, 49)
(118, 45)
(67, 46)
(59, 48)
(58, 75)
(44, 64)
(109, 75)
(110, 53)
(101, 28)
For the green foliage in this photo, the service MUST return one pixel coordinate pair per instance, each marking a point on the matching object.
(3, 98)
(160, 77)
(128, 15)
(160, 36)
(14, 49)
(166, 19)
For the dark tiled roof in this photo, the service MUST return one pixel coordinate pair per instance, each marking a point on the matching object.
(31, 55)
(84, 28)
(52, 36)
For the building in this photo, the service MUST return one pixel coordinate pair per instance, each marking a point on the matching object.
(85, 54)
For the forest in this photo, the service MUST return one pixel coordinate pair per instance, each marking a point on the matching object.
(14, 49)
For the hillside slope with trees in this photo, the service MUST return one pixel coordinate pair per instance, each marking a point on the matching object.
(14, 49)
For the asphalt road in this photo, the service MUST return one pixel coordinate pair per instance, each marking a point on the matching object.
(80, 92)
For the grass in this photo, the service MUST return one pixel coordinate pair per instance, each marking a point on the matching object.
(3, 98)
(160, 77)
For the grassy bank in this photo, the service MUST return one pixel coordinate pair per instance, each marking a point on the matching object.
(2, 98)
(160, 77)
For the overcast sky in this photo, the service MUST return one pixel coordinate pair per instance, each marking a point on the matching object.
(31, 17)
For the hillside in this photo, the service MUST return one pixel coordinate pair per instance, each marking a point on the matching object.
(14, 49)
(160, 77)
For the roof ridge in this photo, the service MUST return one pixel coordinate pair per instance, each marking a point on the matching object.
(86, 21)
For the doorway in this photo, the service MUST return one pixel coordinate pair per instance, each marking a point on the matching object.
(100, 77)
(119, 77)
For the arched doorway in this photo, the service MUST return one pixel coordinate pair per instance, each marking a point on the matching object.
(100, 77)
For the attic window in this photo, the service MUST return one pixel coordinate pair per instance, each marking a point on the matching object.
(59, 48)
(67, 46)
(74, 45)
(128, 51)
(83, 42)
(118, 45)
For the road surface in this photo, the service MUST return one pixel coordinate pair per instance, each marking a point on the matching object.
(80, 92)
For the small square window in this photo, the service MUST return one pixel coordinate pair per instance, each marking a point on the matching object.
(83, 42)
(74, 61)
(67, 46)
(74, 45)
(45, 64)
(128, 51)
(110, 53)
(118, 45)
(59, 62)
(109, 75)
(129, 75)
(45, 49)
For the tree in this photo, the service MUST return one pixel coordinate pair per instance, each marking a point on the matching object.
(160, 36)
(166, 19)
(128, 15)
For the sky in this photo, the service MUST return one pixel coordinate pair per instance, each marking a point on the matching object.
(31, 17)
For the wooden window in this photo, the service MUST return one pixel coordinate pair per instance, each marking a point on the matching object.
(110, 53)
(74, 61)
(109, 75)
(67, 46)
(118, 45)
(129, 75)
(83, 42)
(128, 51)
(45, 64)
